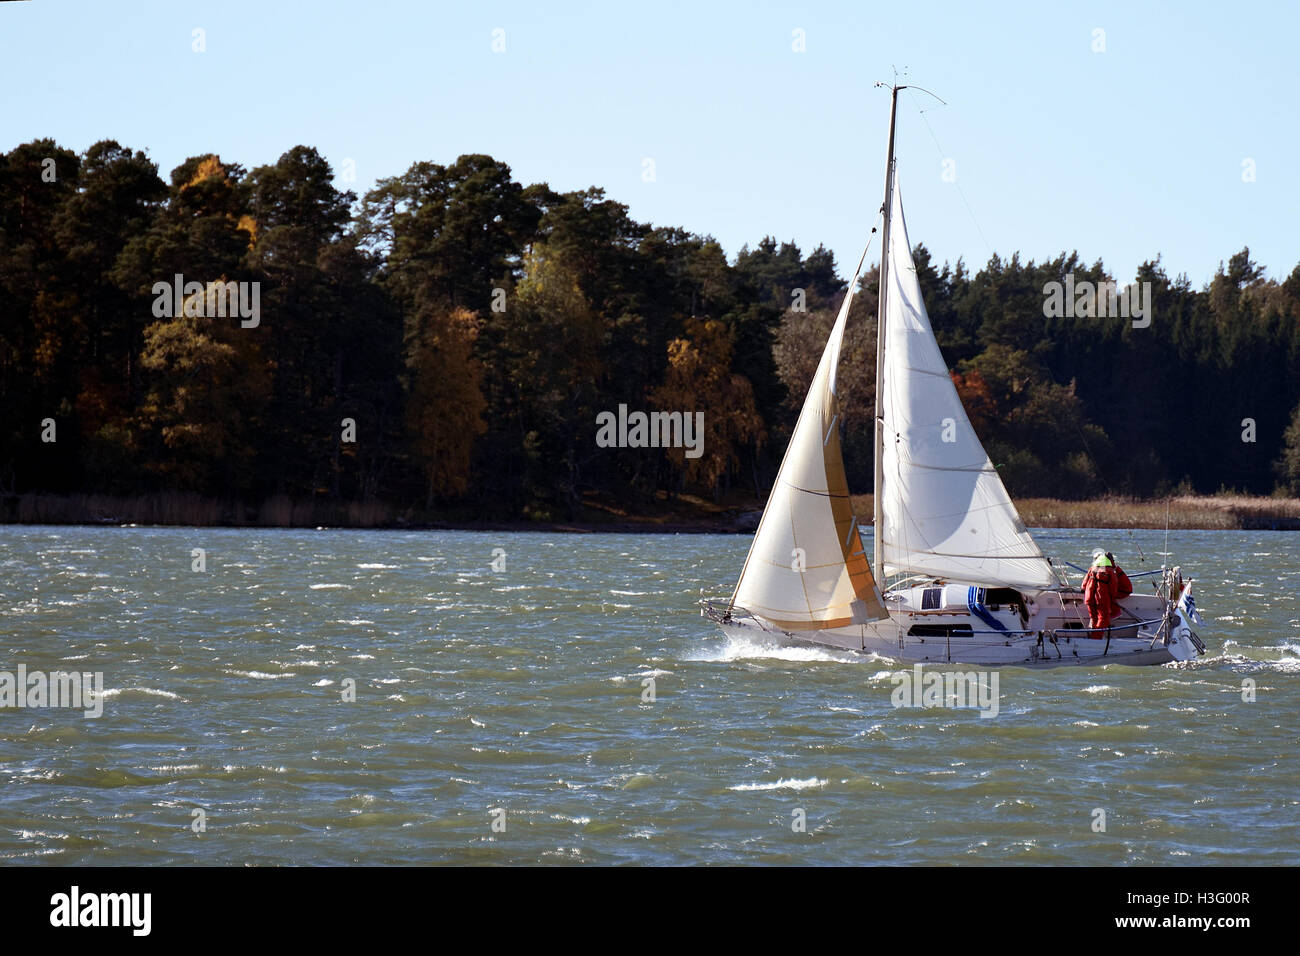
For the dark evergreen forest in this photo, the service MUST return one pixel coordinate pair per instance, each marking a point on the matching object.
(444, 344)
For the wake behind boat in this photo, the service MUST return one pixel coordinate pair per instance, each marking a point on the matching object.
(964, 580)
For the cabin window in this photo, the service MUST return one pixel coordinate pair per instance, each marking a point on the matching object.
(930, 599)
(939, 630)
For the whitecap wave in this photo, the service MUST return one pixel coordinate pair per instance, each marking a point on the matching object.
(790, 784)
(260, 675)
(739, 648)
(148, 691)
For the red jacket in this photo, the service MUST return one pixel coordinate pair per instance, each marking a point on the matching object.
(1106, 585)
(1124, 587)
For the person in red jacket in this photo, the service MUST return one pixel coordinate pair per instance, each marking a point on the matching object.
(1103, 586)
(1122, 581)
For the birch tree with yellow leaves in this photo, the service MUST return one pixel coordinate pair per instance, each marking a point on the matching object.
(699, 378)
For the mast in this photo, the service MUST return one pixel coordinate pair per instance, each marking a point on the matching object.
(878, 558)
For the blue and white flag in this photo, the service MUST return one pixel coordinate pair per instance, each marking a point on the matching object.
(1187, 603)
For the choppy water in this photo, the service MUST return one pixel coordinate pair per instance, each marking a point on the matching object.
(522, 690)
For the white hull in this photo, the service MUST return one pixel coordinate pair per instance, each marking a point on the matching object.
(1048, 629)
(1021, 652)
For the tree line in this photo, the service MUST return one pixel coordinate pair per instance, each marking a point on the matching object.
(446, 342)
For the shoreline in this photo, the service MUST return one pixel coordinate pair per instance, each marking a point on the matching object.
(168, 509)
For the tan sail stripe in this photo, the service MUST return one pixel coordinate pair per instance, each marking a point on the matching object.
(810, 625)
(837, 487)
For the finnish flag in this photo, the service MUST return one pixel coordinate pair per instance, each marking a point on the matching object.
(1187, 603)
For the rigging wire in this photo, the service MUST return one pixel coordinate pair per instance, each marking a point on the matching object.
(975, 221)
(970, 211)
(944, 155)
(1166, 558)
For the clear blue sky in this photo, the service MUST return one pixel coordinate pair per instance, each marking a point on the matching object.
(1122, 154)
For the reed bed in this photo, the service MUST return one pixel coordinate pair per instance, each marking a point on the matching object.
(1211, 512)
(1186, 512)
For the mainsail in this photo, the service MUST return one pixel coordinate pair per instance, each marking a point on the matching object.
(944, 510)
(807, 568)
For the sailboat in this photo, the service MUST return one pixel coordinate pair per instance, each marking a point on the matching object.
(954, 575)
